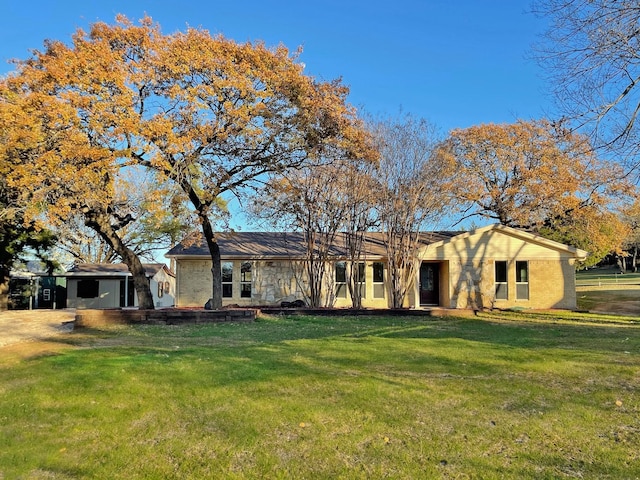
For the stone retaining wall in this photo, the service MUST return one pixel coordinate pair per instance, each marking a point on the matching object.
(97, 318)
(371, 312)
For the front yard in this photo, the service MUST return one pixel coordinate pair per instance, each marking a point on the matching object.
(504, 395)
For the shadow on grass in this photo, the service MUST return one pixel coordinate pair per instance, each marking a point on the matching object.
(247, 381)
(529, 331)
(320, 348)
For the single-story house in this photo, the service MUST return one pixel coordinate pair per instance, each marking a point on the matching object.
(102, 285)
(494, 266)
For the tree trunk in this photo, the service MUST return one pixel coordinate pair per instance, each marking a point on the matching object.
(101, 223)
(622, 264)
(216, 263)
(354, 282)
(4, 287)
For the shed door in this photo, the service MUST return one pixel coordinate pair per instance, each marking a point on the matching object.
(429, 284)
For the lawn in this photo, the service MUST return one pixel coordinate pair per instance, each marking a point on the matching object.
(505, 395)
(606, 276)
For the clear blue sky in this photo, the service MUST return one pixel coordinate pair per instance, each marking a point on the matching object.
(456, 63)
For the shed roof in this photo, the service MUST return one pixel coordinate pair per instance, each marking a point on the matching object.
(113, 269)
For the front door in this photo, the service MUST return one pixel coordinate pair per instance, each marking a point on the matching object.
(429, 284)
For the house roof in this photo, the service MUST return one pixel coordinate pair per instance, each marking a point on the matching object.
(113, 270)
(287, 245)
(282, 244)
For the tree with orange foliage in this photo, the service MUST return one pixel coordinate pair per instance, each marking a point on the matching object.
(207, 113)
(538, 176)
(60, 165)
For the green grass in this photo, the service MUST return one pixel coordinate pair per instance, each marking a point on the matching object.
(504, 395)
(606, 276)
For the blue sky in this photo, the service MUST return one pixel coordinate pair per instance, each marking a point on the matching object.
(456, 63)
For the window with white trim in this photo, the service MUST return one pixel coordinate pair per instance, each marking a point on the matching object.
(522, 280)
(378, 280)
(227, 279)
(501, 280)
(245, 280)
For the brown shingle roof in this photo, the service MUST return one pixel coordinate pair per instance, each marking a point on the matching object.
(282, 244)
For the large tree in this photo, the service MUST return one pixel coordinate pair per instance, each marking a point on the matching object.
(162, 219)
(237, 113)
(591, 51)
(58, 160)
(205, 112)
(537, 176)
(410, 195)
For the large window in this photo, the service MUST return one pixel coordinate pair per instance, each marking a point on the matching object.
(378, 280)
(88, 288)
(502, 287)
(341, 279)
(227, 279)
(245, 280)
(522, 280)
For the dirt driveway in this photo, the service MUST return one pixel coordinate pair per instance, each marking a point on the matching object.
(33, 325)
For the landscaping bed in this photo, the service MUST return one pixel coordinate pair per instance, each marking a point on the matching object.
(166, 316)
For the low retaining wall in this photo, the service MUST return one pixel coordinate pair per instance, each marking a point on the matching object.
(97, 318)
(370, 312)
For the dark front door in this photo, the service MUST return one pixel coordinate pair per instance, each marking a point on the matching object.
(429, 284)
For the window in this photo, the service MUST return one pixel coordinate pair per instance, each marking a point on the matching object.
(378, 280)
(88, 289)
(227, 279)
(522, 280)
(341, 280)
(245, 280)
(502, 290)
(360, 279)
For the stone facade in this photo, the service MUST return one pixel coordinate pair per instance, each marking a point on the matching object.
(277, 281)
(272, 282)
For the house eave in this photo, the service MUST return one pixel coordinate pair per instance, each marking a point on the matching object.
(266, 258)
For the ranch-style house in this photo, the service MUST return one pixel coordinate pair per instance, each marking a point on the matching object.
(493, 266)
